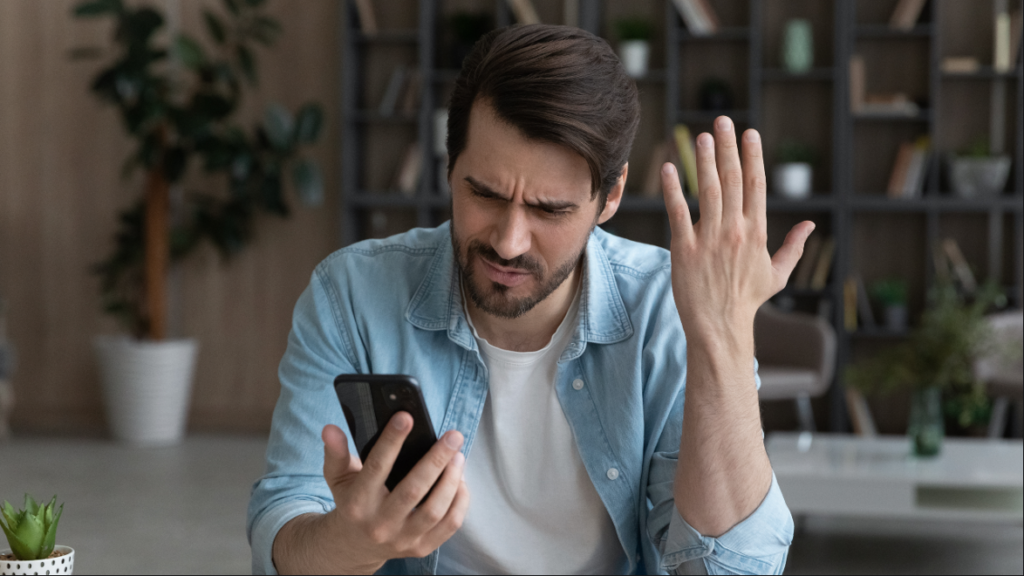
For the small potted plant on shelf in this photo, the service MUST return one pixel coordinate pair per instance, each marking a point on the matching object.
(891, 296)
(32, 534)
(935, 363)
(178, 101)
(635, 36)
(794, 172)
(975, 173)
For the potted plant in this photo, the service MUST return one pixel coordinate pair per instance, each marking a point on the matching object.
(32, 535)
(635, 36)
(178, 102)
(891, 296)
(975, 172)
(794, 171)
(936, 362)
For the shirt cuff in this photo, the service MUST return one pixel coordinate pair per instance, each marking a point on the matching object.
(758, 545)
(266, 527)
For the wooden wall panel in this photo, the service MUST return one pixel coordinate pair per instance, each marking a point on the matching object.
(60, 157)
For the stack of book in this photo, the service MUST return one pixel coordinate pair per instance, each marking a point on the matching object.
(910, 169)
(679, 150)
(814, 269)
(699, 16)
(863, 102)
(403, 92)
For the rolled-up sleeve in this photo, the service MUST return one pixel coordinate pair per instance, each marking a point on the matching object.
(758, 545)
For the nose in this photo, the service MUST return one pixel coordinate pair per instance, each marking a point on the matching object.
(511, 237)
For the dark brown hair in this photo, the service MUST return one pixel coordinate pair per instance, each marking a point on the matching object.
(555, 84)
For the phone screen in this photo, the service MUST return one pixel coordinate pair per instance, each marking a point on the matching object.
(370, 401)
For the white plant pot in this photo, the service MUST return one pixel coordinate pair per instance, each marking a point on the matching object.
(147, 387)
(636, 57)
(979, 177)
(794, 180)
(63, 565)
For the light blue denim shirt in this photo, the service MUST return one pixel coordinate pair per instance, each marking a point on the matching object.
(394, 307)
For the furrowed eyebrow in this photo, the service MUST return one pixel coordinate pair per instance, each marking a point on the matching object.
(489, 192)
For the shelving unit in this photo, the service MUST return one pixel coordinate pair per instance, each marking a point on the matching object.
(876, 236)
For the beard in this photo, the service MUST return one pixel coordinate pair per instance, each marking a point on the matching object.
(494, 298)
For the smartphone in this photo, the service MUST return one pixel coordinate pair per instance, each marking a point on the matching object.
(370, 401)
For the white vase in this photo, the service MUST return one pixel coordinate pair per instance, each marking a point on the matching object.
(635, 56)
(147, 387)
(979, 177)
(63, 565)
(793, 180)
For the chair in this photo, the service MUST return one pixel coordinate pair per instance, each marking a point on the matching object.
(797, 357)
(1002, 371)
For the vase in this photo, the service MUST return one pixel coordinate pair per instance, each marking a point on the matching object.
(62, 565)
(635, 56)
(798, 47)
(793, 180)
(927, 429)
(979, 177)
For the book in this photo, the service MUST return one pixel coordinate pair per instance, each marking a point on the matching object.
(693, 17)
(906, 14)
(960, 65)
(407, 179)
(823, 268)
(413, 91)
(652, 184)
(389, 102)
(900, 170)
(850, 305)
(942, 271)
(864, 310)
(688, 158)
(367, 17)
(917, 173)
(860, 414)
(524, 11)
(894, 104)
(858, 83)
(1002, 61)
(709, 16)
(805, 268)
(960, 268)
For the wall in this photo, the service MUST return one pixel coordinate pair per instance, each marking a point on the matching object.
(60, 156)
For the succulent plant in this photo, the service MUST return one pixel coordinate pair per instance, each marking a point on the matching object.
(32, 532)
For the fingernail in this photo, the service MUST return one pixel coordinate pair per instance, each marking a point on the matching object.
(753, 137)
(454, 441)
(705, 140)
(400, 422)
(724, 123)
(459, 460)
(668, 170)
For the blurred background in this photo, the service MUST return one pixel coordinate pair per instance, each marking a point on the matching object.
(171, 171)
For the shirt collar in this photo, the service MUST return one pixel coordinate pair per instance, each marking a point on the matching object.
(437, 303)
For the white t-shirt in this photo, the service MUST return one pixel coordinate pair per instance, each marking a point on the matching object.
(534, 509)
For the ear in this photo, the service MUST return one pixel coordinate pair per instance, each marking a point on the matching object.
(614, 197)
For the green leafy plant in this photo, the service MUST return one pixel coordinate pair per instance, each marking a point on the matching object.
(635, 28)
(889, 293)
(794, 152)
(939, 354)
(178, 103)
(977, 149)
(32, 532)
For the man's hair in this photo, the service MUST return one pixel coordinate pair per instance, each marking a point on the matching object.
(554, 84)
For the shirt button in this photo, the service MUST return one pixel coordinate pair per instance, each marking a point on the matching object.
(577, 385)
(613, 474)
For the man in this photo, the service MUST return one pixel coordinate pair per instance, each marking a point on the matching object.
(598, 397)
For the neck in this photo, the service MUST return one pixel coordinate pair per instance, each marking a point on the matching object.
(534, 330)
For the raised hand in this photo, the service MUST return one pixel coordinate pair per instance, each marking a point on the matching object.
(721, 269)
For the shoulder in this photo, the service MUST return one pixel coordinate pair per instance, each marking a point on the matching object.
(631, 260)
(417, 245)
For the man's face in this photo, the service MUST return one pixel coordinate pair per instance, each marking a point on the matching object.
(522, 213)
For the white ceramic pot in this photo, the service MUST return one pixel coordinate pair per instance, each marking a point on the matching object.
(636, 57)
(793, 180)
(147, 387)
(63, 565)
(979, 177)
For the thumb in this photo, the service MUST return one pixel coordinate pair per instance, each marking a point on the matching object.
(339, 464)
(786, 259)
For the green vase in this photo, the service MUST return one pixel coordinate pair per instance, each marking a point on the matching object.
(927, 427)
(798, 46)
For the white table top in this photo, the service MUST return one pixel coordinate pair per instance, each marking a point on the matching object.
(966, 463)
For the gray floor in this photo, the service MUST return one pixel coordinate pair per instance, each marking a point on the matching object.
(182, 510)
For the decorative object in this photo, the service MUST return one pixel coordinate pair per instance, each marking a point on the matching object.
(798, 46)
(939, 355)
(891, 296)
(32, 535)
(716, 96)
(635, 45)
(178, 103)
(975, 172)
(794, 174)
(927, 428)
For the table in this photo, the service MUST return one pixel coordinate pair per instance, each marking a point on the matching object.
(848, 476)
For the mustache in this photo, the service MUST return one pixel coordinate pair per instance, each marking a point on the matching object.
(523, 262)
